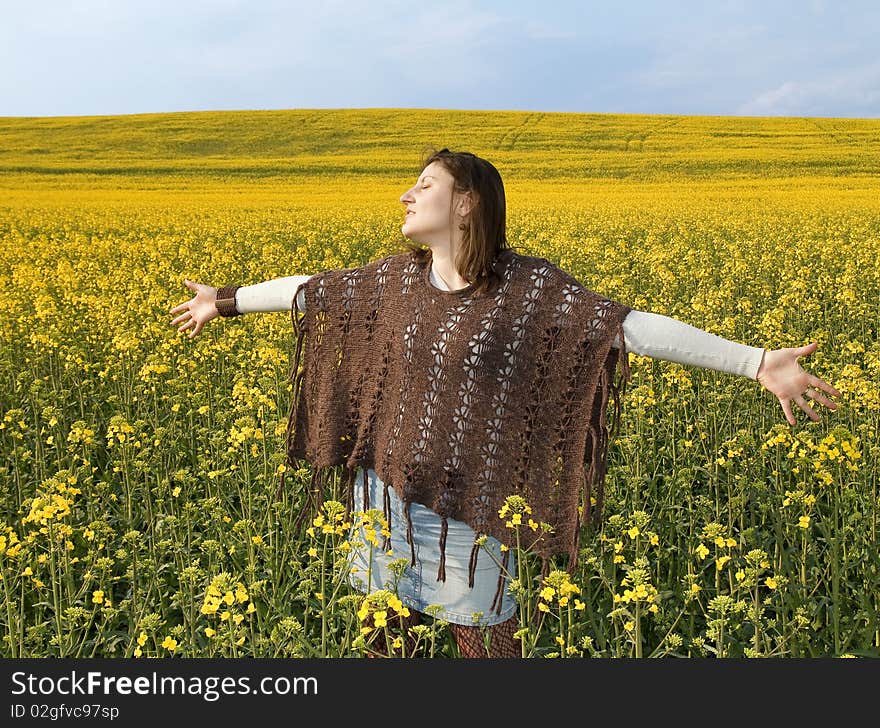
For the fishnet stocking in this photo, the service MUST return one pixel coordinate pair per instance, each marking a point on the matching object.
(501, 641)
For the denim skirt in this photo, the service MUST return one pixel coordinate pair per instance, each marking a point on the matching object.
(418, 587)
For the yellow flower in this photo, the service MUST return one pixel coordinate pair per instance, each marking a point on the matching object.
(702, 551)
(547, 593)
(740, 575)
(97, 596)
(655, 539)
(142, 639)
(543, 607)
(804, 522)
(719, 564)
(579, 605)
(629, 626)
(138, 652)
(696, 588)
(770, 582)
(169, 643)
(380, 618)
(633, 532)
(313, 552)
(395, 603)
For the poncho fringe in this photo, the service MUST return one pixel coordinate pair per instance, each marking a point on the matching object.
(389, 328)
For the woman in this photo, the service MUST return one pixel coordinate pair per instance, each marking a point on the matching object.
(457, 210)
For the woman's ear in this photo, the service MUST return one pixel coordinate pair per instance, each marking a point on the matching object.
(465, 203)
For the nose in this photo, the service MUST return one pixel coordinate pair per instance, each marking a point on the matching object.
(407, 196)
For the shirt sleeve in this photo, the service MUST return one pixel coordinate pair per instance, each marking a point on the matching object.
(663, 337)
(274, 295)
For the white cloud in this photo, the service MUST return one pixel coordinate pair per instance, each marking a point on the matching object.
(538, 30)
(857, 90)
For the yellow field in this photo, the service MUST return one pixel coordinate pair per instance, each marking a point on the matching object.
(140, 467)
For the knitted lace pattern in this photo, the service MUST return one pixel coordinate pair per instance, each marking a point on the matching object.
(458, 399)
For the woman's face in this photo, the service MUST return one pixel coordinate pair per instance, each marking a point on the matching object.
(427, 217)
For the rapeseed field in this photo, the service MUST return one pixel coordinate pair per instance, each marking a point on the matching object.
(139, 467)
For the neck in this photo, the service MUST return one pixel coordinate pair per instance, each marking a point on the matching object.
(443, 269)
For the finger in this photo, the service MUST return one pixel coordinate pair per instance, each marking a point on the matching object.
(185, 326)
(178, 307)
(786, 407)
(802, 403)
(821, 399)
(180, 318)
(808, 349)
(816, 382)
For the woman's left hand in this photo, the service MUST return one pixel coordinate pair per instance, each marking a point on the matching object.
(781, 374)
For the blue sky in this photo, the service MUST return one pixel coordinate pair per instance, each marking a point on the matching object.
(90, 57)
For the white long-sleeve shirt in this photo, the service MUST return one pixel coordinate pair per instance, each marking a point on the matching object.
(645, 334)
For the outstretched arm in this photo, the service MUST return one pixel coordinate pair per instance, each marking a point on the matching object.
(273, 295)
(663, 337)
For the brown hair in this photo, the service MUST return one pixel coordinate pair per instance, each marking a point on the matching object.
(485, 228)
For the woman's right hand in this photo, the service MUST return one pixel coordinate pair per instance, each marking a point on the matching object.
(198, 310)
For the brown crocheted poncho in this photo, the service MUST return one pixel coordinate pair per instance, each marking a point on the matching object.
(458, 399)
